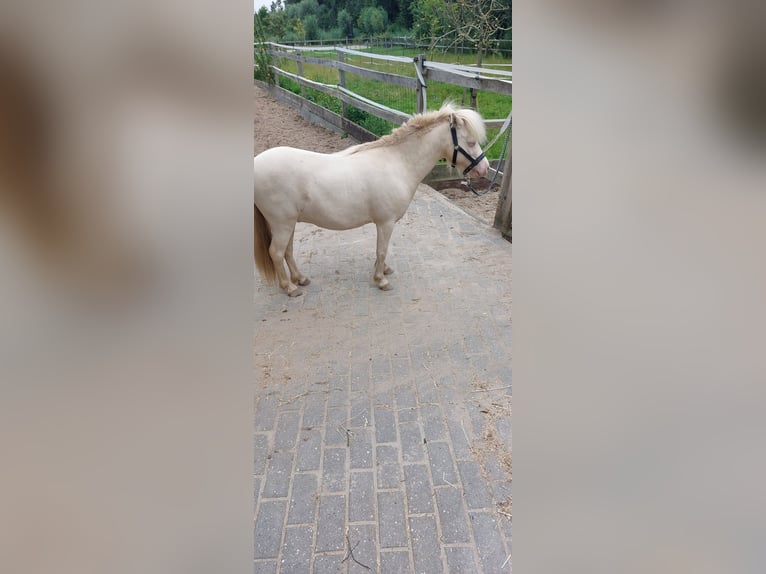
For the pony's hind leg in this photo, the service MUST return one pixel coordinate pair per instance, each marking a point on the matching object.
(280, 238)
(381, 269)
(295, 275)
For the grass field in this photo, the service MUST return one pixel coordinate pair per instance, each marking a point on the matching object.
(490, 104)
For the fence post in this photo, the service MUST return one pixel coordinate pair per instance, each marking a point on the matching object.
(503, 215)
(300, 71)
(342, 81)
(421, 93)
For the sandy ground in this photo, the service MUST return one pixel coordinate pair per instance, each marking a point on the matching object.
(278, 124)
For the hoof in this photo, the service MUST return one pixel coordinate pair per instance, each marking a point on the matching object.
(387, 270)
(386, 287)
(295, 293)
(305, 281)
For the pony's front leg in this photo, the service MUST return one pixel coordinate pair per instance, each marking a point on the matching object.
(280, 238)
(295, 275)
(381, 269)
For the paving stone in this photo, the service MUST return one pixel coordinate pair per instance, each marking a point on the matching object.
(336, 421)
(266, 413)
(314, 411)
(260, 452)
(412, 442)
(433, 422)
(334, 470)
(426, 551)
(338, 392)
(380, 369)
(362, 539)
(442, 468)
(388, 466)
(406, 404)
(329, 564)
(265, 567)
(395, 562)
(296, 554)
(461, 560)
(451, 515)
(361, 414)
(400, 369)
(278, 475)
(361, 493)
(475, 489)
(419, 490)
(391, 522)
(331, 522)
(385, 425)
(460, 444)
(309, 455)
(489, 544)
(268, 528)
(303, 501)
(361, 448)
(287, 430)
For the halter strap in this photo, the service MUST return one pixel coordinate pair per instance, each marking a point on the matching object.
(457, 148)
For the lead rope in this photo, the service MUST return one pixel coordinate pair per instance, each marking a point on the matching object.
(506, 126)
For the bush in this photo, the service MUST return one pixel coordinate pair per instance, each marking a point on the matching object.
(369, 122)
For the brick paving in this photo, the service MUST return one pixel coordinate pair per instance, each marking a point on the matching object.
(383, 419)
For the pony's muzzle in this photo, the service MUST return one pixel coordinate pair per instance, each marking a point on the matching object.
(481, 168)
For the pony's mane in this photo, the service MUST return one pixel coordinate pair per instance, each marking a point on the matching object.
(423, 123)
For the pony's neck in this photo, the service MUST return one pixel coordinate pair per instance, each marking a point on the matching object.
(420, 152)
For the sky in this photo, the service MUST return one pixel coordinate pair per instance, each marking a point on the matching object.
(258, 3)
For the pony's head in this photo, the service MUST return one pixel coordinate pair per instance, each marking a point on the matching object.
(467, 131)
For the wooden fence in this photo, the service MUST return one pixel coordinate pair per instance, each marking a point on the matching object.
(498, 46)
(469, 77)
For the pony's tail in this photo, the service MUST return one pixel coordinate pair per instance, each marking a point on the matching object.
(261, 244)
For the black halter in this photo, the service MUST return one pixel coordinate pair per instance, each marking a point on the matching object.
(458, 148)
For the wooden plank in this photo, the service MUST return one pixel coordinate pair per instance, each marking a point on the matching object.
(503, 214)
(471, 69)
(342, 81)
(374, 56)
(379, 110)
(395, 79)
(330, 90)
(494, 124)
(488, 84)
(301, 58)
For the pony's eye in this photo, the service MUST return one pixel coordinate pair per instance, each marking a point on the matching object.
(471, 144)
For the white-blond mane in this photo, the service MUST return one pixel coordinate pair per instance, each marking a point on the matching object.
(425, 122)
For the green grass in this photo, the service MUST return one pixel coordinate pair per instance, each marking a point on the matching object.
(490, 104)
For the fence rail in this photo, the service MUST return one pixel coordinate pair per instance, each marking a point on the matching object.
(474, 78)
(499, 46)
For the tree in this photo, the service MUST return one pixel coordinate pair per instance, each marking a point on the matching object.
(477, 22)
(345, 23)
(372, 20)
(300, 31)
(263, 14)
(277, 22)
(429, 19)
(311, 24)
